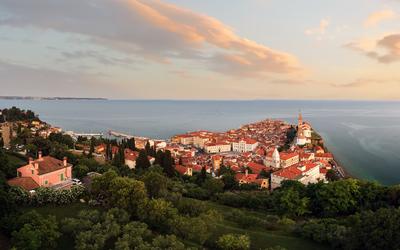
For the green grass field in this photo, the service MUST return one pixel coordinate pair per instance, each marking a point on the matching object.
(261, 238)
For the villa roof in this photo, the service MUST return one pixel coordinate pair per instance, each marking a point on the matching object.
(26, 183)
(48, 164)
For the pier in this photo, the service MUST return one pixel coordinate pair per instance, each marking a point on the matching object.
(87, 135)
(122, 135)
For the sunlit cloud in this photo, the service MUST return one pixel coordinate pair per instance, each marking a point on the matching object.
(153, 30)
(379, 16)
(320, 30)
(385, 49)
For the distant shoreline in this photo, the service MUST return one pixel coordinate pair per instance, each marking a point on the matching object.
(50, 98)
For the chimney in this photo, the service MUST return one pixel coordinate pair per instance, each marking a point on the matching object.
(36, 165)
(65, 161)
(40, 155)
(247, 172)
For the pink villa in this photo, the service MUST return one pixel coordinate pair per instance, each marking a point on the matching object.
(46, 171)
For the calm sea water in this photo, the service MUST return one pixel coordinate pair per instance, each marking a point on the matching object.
(364, 136)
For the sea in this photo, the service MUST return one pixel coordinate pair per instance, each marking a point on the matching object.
(364, 136)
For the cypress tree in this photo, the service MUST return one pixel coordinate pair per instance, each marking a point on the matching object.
(168, 164)
(159, 158)
(148, 148)
(142, 162)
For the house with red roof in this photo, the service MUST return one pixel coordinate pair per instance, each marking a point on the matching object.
(45, 171)
(256, 168)
(324, 157)
(246, 178)
(288, 159)
(305, 173)
(244, 145)
(130, 157)
(184, 170)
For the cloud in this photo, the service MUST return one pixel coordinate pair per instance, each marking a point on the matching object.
(96, 56)
(18, 79)
(379, 16)
(361, 82)
(320, 30)
(154, 30)
(384, 50)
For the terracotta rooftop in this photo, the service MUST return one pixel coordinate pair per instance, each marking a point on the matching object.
(286, 156)
(26, 183)
(48, 164)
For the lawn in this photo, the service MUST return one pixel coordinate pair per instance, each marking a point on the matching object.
(261, 238)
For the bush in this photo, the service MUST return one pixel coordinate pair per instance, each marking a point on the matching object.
(244, 220)
(191, 207)
(233, 242)
(324, 231)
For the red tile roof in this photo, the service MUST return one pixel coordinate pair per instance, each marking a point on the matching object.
(131, 155)
(256, 168)
(324, 155)
(181, 169)
(247, 178)
(26, 183)
(49, 164)
(294, 172)
(288, 155)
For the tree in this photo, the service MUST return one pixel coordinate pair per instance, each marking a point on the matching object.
(131, 144)
(80, 171)
(148, 149)
(331, 175)
(233, 242)
(337, 198)
(213, 186)
(92, 145)
(375, 230)
(36, 232)
(100, 187)
(156, 184)
(229, 181)
(202, 176)
(168, 164)
(159, 158)
(167, 242)
(290, 202)
(142, 162)
(127, 193)
(134, 236)
(157, 213)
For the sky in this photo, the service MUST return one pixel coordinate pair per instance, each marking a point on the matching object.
(201, 49)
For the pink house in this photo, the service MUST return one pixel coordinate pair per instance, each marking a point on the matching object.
(46, 171)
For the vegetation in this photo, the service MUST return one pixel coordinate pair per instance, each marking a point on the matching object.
(153, 207)
(16, 114)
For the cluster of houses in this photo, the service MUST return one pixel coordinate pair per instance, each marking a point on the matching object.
(252, 152)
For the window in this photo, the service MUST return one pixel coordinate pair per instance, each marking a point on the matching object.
(33, 171)
(62, 177)
(46, 182)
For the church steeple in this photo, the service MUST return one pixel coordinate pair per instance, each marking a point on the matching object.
(300, 119)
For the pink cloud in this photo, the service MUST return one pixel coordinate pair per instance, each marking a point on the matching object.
(379, 16)
(384, 50)
(154, 30)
